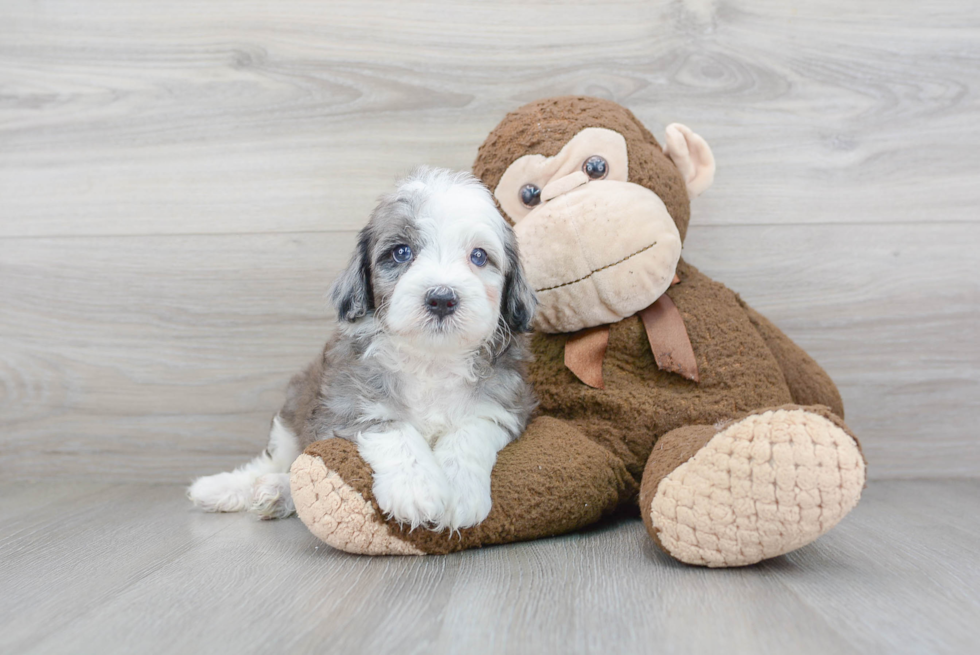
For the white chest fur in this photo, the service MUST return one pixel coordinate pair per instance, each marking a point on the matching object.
(438, 397)
(435, 390)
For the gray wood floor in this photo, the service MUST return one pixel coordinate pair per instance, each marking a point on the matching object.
(109, 568)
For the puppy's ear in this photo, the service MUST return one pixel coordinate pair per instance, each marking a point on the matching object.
(519, 302)
(352, 294)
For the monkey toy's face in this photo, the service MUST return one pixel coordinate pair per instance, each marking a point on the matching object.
(597, 245)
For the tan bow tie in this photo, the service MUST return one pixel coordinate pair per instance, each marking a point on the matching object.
(664, 325)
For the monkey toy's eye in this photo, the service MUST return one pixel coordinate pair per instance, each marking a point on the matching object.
(401, 253)
(530, 195)
(479, 257)
(595, 167)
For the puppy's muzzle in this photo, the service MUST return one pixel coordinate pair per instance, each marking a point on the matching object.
(441, 301)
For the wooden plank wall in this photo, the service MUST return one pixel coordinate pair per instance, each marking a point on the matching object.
(180, 181)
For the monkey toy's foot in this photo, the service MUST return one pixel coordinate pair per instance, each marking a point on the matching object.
(331, 488)
(550, 481)
(753, 489)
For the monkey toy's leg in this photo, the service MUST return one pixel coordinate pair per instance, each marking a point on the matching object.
(550, 481)
(758, 487)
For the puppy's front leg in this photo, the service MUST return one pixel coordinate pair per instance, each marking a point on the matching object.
(467, 456)
(408, 483)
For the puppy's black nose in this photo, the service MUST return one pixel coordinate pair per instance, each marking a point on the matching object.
(441, 301)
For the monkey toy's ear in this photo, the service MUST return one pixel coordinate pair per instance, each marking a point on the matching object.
(692, 156)
(351, 293)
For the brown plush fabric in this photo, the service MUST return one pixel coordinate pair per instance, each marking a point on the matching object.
(341, 457)
(544, 126)
(672, 450)
(808, 383)
(551, 481)
(640, 402)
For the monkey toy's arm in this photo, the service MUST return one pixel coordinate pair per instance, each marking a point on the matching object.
(808, 383)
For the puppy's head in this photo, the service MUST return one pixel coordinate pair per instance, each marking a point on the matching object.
(437, 264)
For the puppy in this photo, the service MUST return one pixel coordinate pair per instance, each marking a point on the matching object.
(426, 370)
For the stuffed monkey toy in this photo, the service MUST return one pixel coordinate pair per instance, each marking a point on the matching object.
(657, 385)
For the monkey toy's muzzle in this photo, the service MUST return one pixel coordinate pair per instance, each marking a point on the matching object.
(598, 253)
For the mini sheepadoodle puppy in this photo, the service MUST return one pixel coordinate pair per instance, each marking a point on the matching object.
(426, 370)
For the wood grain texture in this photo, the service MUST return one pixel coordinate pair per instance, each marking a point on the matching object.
(159, 358)
(179, 182)
(176, 117)
(124, 568)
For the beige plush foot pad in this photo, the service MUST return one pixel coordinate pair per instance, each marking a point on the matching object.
(761, 487)
(338, 514)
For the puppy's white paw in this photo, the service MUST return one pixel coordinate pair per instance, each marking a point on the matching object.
(471, 496)
(414, 496)
(224, 492)
(271, 497)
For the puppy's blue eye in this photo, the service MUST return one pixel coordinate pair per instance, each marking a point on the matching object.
(401, 253)
(479, 256)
